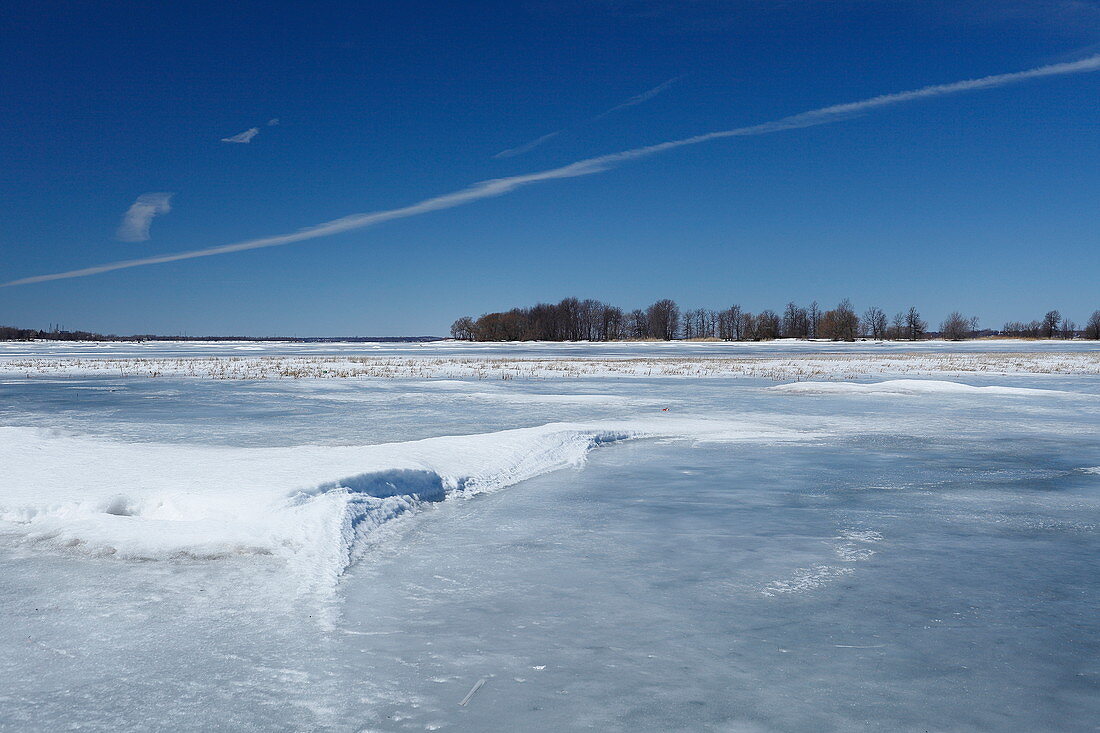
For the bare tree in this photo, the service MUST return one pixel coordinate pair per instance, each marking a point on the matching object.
(589, 313)
(1068, 329)
(1019, 329)
(508, 326)
(767, 325)
(748, 326)
(874, 323)
(795, 322)
(955, 327)
(915, 326)
(611, 323)
(826, 326)
(687, 329)
(697, 324)
(463, 329)
(845, 325)
(1050, 324)
(710, 324)
(897, 326)
(729, 324)
(663, 318)
(840, 323)
(637, 324)
(813, 319)
(1092, 328)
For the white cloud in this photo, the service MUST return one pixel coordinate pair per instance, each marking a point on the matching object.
(586, 167)
(273, 121)
(243, 137)
(136, 220)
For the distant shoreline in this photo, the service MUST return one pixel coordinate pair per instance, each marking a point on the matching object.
(930, 338)
(8, 333)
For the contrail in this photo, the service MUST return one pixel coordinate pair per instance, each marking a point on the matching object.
(527, 147)
(639, 98)
(636, 99)
(586, 167)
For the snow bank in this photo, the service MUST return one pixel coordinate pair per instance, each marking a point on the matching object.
(317, 507)
(908, 387)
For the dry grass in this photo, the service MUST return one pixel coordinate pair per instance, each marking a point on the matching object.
(787, 368)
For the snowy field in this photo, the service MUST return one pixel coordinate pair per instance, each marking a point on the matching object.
(647, 536)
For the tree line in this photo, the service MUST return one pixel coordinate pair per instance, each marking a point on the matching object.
(11, 333)
(1054, 325)
(592, 320)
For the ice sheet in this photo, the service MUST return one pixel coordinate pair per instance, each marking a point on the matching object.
(314, 506)
(271, 553)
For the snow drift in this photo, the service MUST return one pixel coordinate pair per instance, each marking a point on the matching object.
(317, 507)
(908, 387)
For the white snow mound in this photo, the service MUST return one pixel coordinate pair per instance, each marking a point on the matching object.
(315, 506)
(908, 387)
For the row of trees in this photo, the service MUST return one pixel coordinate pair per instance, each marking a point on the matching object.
(594, 320)
(1053, 325)
(11, 333)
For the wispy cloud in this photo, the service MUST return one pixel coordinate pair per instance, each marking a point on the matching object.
(639, 98)
(586, 167)
(136, 220)
(521, 149)
(636, 99)
(273, 121)
(243, 137)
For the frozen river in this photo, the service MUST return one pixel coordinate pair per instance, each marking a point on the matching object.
(906, 542)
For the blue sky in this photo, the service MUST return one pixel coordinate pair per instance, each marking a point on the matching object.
(981, 200)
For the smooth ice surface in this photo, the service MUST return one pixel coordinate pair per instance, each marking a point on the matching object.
(649, 550)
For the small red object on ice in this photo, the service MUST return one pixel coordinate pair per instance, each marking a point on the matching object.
(664, 409)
